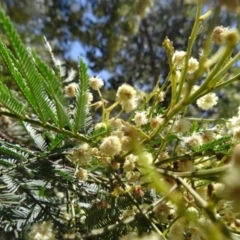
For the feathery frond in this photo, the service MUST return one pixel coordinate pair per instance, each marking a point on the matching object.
(11, 102)
(21, 151)
(14, 152)
(217, 145)
(5, 53)
(7, 162)
(24, 68)
(81, 111)
(36, 137)
(53, 86)
(11, 183)
(56, 141)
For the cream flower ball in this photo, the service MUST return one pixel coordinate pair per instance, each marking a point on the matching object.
(111, 146)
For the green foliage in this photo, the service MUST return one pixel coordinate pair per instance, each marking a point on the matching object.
(221, 145)
(28, 176)
(11, 102)
(81, 118)
(53, 85)
(25, 73)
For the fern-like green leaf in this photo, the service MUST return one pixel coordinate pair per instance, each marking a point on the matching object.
(56, 141)
(81, 111)
(24, 152)
(64, 175)
(11, 151)
(54, 88)
(36, 137)
(9, 198)
(7, 162)
(194, 127)
(36, 184)
(11, 184)
(8, 59)
(11, 102)
(33, 86)
(215, 146)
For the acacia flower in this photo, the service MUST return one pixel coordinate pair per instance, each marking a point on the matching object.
(100, 104)
(71, 89)
(208, 136)
(95, 83)
(231, 179)
(179, 59)
(126, 143)
(133, 176)
(194, 141)
(192, 65)
(217, 34)
(181, 150)
(82, 174)
(129, 164)
(89, 97)
(129, 105)
(194, 88)
(111, 146)
(82, 154)
(147, 157)
(156, 121)
(162, 212)
(119, 133)
(231, 37)
(140, 118)
(126, 93)
(232, 123)
(41, 231)
(182, 125)
(115, 165)
(163, 156)
(161, 96)
(192, 213)
(116, 123)
(207, 101)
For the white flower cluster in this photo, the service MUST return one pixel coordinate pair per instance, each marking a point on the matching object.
(182, 125)
(126, 95)
(82, 154)
(95, 83)
(179, 61)
(197, 139)
(41, 231)
(111, 146)
(140, 118)
(158, 139)
(226, 35)
(207, 101)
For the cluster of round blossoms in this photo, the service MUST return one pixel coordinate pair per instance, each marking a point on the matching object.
(159, 138)
(179, 61)
(41, 231)
(226, 35)
(207, 101)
